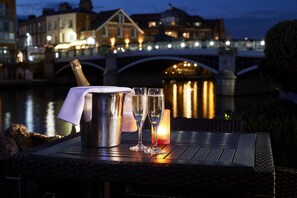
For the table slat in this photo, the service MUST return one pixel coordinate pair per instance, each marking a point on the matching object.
(204, 148)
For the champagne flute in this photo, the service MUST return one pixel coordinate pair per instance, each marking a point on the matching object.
(155, 114)
(139, 109)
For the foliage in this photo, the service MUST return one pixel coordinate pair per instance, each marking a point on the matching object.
(278, 117)
(280, 61)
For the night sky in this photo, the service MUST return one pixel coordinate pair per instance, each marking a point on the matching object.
(243, 18)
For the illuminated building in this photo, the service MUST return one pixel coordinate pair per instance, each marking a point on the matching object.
(77, 28)
(113, 28)
(62, 26)
(7, 31)
(178, 24)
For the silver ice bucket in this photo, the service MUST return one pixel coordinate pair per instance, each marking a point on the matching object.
(102, 119)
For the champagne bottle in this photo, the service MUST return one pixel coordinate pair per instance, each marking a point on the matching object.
(81, 80)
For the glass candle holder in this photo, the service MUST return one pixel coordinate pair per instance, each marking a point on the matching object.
(163, 134)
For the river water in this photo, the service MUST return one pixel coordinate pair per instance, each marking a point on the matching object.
(37, 107)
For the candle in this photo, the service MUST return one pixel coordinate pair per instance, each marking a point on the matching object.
(163, 135)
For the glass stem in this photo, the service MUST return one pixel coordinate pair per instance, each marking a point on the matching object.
(139, 125)
(155, 126)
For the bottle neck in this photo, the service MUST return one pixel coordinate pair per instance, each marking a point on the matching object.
(81, 80)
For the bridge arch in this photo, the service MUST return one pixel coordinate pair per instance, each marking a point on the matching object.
(246, 70)
(166, 58)
(83, 63)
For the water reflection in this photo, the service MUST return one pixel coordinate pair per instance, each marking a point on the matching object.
(191, 99)
(29, 112)
(49, 120)
(37, 107)
(208, 97)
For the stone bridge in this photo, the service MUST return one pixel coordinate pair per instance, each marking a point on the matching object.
(226, 64)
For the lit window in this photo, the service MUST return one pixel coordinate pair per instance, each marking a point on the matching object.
(121, 18)
(197, 24)
(91, 41)
(173, 34)
(120, 33)
(70, 23)
(62, 23)
(72, 36)
(186, 35)
(11, 36)
(105, 31)
(152, 24)
(134, 34)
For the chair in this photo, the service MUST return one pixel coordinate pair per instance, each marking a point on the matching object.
(201, 124)
(2, 177)
(17, 186)
(286, 182)
(286, 178)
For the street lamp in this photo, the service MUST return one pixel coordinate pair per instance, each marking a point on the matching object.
(183, 45)
(48, 38)
(211, 43)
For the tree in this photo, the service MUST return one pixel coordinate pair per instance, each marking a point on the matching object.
(280, 61)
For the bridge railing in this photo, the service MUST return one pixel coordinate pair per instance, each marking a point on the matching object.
(243, 45)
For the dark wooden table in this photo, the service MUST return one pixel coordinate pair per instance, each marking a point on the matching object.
(204, 163)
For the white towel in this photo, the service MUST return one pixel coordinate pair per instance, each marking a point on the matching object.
(73, 105)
